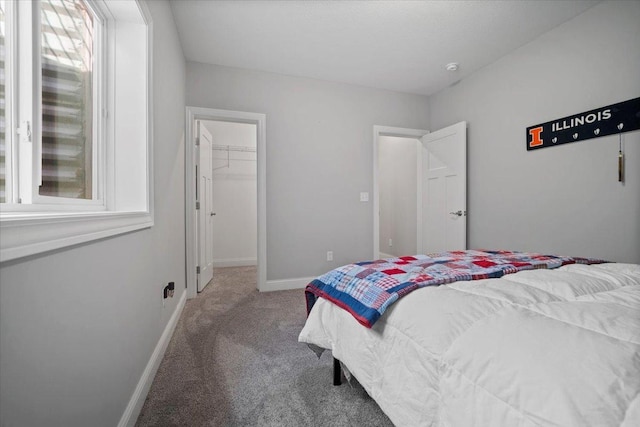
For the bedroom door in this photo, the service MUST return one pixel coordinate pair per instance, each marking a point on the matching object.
(444, 189)
(204, 196)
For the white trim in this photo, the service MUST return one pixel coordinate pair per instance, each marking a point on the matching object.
(384, 256)
(149, 111)
(32, 234)
(379, 131)
(286, 284)
(53, 206)
(11, 106)
(25, 88)
(234, 262)
(419, 193)
(260, 120)
(131, 412)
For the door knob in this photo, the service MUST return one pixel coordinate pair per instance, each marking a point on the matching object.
(213, 213)
(458, 213)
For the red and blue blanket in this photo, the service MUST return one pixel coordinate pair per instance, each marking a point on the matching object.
(366, 289)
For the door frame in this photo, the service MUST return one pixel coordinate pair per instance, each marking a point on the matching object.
(379, 131)
(258, 119)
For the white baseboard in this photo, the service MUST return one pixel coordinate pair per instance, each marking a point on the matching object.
(134, 407)
(383, 255)
(286, 284)
(234, 262)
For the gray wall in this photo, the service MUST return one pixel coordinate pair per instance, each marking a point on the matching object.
(563, 199)
(319, 158)
(78, 326)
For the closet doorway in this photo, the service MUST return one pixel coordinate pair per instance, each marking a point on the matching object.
(419, 190)
(398, 195)
(392, 184)
(234, 193)
(225, 221)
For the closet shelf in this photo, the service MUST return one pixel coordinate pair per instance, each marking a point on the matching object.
(228, 149)
(243, 148)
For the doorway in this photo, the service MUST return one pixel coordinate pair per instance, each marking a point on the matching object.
(237, 161)
(436, 199)
(393, 134)
(234, 188)
(398, 195)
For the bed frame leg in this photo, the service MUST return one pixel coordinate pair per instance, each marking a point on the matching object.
(337, 372)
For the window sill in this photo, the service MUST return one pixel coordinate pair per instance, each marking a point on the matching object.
(28, 234)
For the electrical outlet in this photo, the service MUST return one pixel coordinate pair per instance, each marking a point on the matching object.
(390, 242)
(167, 291)
(364, 196)
(329, 255)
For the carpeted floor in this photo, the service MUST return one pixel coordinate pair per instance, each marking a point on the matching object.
(235, 360)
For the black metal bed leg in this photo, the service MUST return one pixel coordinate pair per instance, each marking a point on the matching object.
(337, 372)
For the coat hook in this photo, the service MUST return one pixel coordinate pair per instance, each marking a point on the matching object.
(620, 157)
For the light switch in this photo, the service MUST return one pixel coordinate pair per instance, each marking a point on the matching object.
(364, 196)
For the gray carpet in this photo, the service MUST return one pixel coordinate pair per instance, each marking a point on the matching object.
(235, 360)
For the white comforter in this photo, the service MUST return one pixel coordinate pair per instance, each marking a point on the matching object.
(535, 348)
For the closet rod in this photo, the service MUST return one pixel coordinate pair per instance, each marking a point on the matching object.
(242, 148)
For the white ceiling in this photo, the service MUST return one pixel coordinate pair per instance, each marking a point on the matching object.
(396, 45)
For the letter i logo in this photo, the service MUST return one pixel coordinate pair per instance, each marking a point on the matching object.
(535, 137)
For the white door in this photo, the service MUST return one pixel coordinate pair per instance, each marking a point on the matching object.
(444, 189)
(204, 197)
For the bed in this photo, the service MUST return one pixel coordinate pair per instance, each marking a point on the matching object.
(552, 343)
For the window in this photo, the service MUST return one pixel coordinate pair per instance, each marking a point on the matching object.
(68, 99)
(75, 128)
(56, 152)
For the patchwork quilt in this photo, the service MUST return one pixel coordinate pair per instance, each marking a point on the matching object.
(366, 289)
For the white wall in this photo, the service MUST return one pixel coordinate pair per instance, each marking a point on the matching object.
(397, 182)
(565, 199)
(319, 158)
(78, 326)
(235, 226)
